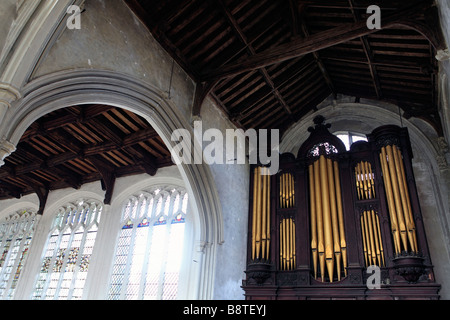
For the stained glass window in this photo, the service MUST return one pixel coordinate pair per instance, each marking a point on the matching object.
(65, 264)
(148, 253)
(16, 233)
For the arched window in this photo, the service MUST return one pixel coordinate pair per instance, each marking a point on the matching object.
(348, 138)
(69, 247)
(16, 233)
(149, 250)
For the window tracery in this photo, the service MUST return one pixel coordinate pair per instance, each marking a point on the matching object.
(65, 264)
(148, 254)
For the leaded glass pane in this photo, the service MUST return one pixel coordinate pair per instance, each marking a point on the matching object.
(149, 249)
(65, 264)
(16, 233)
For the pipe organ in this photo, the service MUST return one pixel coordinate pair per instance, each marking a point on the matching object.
(329, 214)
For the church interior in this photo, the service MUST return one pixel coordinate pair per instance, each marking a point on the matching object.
(96, 205)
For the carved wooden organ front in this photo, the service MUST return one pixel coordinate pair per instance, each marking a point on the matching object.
(329, 214)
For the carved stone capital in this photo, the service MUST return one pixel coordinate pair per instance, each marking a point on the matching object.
(6, 148)
(8, 94)
(443, 55)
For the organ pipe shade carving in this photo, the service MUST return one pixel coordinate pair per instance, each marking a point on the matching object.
(398, 199)
(261, 214)
(328, 244)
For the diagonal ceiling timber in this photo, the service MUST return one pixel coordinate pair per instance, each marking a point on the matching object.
(268, 63)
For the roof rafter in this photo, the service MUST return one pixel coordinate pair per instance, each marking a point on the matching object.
(315, 42)
(368, 53)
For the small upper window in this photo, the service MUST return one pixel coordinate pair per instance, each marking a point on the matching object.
(348, 138)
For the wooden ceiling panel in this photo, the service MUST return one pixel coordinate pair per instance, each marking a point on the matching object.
(80, 144)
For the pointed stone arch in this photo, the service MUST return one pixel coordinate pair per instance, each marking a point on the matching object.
(78, 87)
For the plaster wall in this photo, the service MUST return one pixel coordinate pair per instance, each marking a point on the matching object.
(232, 181)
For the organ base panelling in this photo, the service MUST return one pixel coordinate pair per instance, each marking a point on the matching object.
(397, 292)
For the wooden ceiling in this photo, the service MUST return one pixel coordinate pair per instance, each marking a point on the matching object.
(81, 144)
(267, 63)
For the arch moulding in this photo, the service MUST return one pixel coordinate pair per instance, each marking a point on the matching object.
(78, 87)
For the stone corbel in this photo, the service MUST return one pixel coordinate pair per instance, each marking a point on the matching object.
(8, 95)
(443, 55)
(6, 148)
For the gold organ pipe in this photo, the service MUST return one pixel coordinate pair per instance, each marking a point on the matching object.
(281, 245)
(368, 179)
(313, 218)
(282, 191)
(357, 178)
(293, 191)
(288, 244)
(264, 212)
(365, 185)
(287, 226)
(328, 243)
(376, 238)
(364, 179)
(380, 240)
(397, 200)
(261, 214)
(372, 179)
(268, 215)
(258, 215)
(334, 217)
(412, 226)
(364, 236)
(327, 224)
(319, 220)
(370, 243)
(255, 201)
(294, 256)
(405, 203)
(285, 244)
(401, 188)
(372, 240)
(289, 192)
(291, 245)
(390, 199)
(340, 216)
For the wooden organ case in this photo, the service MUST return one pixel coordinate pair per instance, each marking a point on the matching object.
(329, 214)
